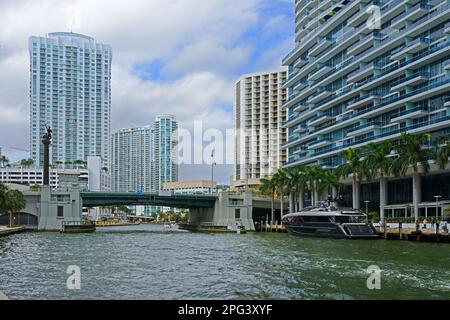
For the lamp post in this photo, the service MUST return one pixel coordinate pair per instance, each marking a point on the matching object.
(212, 172)
(437, 205)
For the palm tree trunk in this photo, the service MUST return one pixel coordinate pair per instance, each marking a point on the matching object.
(10, 219)
(316, 193)
(417, 197)
(383, 196)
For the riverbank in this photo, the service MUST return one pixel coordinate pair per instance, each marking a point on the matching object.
(6, 231)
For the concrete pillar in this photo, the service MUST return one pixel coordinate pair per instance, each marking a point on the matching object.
(383, 197)
(301, 201)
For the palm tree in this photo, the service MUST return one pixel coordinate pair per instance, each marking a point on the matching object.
(79, 163)
(4, 161)
(26, 163)
(412, 153)
(378, 162)
(442, 151)
(3, 192)
(296, 183)
(14, 203)
(354, 168)
(280, 180)
(312, 175)
(327, 181)
(269, 186)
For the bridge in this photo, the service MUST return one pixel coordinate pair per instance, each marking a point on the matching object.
(103, 199)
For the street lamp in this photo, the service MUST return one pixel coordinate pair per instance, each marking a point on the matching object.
(437, 205)
(212, 172)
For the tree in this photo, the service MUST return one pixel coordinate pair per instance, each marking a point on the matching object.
(3, 193)
(442, 151)
(412, 152)
(269, 187)
(79, 163)
(327, 181)
(26, 163)
(297, 184)
(378, 162)
(14, 203)
(4, 161)
(352, 167)
(312, 174)
(280, 181)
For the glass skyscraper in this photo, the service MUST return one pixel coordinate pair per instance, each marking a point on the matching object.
(131, 154)
(165, 151)
(70, 90)
(365, 71)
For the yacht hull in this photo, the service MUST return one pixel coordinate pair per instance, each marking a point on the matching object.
(330, 230)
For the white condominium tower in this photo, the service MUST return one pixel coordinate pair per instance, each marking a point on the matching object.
(164, 151)
(366, 71)
(131, 160)
(259, 127)
(70, 77)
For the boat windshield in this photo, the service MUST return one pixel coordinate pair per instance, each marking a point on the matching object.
(350, 219)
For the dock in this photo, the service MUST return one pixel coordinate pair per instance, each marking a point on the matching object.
(411, 235)
(6, 231)
(267, 227)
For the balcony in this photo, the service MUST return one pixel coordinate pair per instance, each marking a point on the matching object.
(301, 85)
(414, 47)
(301, 62)
(318, 120)
(301, 128)
(410, 114)
(358, 19)
(361, 46)
(363, 129)
(319, 144)
(413, 80)
(362, 101)
(363, 73)
(411, 14)
(300, 108)
(321, 72)
(323, 94)
(321, 46)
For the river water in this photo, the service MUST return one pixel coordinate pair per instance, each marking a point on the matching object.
(147, 262)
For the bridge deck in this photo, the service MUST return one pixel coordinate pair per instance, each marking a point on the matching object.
(98, 199)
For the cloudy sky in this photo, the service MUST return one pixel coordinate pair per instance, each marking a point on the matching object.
(180, 57)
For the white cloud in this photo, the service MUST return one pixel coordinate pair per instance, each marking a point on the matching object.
(198, 41)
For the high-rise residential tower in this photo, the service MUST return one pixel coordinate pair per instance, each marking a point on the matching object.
(259, 128)
(70, 90)
(164, 151)
(366, 71)
(131, 155)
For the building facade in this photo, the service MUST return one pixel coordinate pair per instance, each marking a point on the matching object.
(131, 155)
(191, 187)
(70, 90)
(259, 119)
(365, 71)
(89, 178)
(164, 152)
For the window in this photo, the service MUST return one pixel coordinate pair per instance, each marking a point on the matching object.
(60, 212)
(237, 214)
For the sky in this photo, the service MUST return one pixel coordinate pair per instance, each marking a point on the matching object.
(179, 57)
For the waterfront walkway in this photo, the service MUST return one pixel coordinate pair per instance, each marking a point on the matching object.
(6, 231)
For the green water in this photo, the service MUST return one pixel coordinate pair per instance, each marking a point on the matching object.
(146, 262)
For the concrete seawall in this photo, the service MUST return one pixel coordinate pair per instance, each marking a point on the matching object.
(5, 231)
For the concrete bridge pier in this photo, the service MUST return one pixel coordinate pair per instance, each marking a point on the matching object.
(230, 210)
